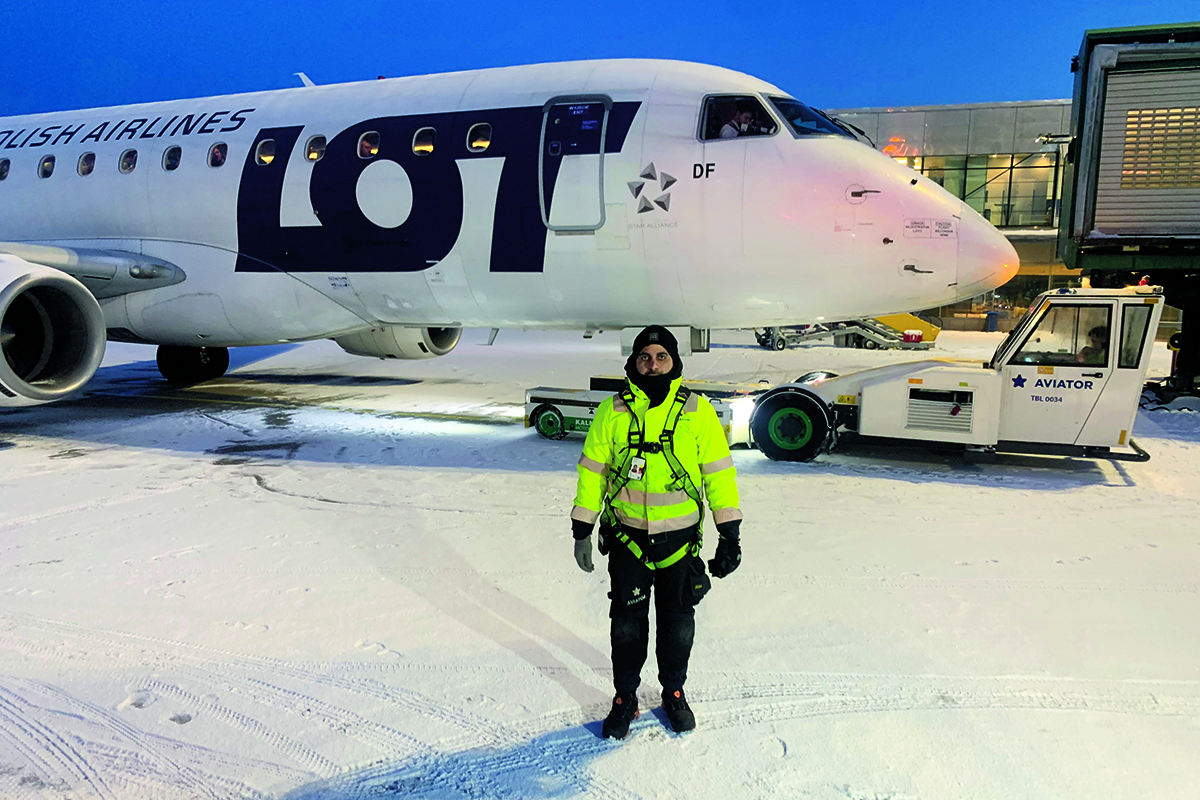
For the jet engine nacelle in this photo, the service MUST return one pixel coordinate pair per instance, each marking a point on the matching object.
(51, 333)
(394, 341)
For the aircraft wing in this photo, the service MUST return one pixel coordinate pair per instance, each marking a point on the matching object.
(105, 273)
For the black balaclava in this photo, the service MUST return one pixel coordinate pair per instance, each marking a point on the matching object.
(656, 387)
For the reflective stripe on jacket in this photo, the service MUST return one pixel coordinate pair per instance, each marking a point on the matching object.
(656, 503)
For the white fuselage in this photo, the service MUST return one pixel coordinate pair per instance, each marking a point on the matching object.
(762, 230)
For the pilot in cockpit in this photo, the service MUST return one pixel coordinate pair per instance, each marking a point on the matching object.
(743, 115)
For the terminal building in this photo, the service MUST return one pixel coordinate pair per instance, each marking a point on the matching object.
(1004, 160)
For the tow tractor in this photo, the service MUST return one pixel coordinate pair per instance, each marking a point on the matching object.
(1066, 381)
(555, 412)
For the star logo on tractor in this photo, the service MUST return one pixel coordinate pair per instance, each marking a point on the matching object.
(637, 591)
(665, 181)
(1019, 382)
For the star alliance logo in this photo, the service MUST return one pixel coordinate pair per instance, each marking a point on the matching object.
(636, 591)
(665, 182)
(1019, 382)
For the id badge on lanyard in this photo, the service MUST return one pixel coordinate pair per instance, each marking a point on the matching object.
(637, 468)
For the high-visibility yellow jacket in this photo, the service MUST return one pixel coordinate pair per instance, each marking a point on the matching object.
(656, 503)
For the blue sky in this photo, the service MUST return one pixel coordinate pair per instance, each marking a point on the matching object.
(831, 54)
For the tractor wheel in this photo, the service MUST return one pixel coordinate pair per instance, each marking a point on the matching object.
(790, 427)
(549, 422)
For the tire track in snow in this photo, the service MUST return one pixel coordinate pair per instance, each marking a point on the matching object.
(186, 777)
(127, 496)
(61, 764)
(477, 733)
(309, 759)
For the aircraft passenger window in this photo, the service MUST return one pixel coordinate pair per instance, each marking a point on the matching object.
(734, 116)
(368, 145)
(128, 161)
(424, 140)
(265, 152)
(216, 154)
(479, 138)
(87, 163)
(1068, 336)
(46, 167)
(3, 168)
(315, 149)
(171, 158)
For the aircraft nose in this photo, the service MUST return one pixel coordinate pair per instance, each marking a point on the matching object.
(986, 259)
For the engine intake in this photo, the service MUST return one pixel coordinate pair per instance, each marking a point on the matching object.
(393, 341)
(51, 333)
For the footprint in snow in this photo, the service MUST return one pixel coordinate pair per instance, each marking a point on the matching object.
(379, 649)
(137, 699)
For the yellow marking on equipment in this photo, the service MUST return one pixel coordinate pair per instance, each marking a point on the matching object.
(1045, 370)
(1151, 301)
(1122, 439)
(963, 383)
(916, 380)
(847, 400)
(903, 322)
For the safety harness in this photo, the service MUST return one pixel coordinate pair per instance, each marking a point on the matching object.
(679, 478)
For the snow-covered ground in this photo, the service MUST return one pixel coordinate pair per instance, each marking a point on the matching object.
(327, 577)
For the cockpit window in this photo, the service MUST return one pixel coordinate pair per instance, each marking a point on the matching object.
(736, 116)
(804, 121)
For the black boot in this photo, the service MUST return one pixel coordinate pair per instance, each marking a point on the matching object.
(679, 713)
(624, 711)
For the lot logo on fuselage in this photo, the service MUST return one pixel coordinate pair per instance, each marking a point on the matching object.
(348, 241)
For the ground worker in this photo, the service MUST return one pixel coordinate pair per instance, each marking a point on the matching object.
(653, 455)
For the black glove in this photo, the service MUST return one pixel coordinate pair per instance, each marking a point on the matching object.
(729, 549)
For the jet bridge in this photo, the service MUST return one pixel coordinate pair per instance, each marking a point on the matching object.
(1131, 188)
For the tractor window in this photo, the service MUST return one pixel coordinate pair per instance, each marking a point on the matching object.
(1068, 336)
(1133, 335)
(736, 116)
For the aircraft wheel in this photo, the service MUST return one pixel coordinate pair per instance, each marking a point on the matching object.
(789, 427)
(779, 343)
(549, 422)
(184, 366)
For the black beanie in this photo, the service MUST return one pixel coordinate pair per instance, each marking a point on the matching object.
(655, 386)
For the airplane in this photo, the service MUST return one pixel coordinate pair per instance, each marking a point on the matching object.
(389, 214)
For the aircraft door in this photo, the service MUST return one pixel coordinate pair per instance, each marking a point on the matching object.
(571, 162)
(1053, 380)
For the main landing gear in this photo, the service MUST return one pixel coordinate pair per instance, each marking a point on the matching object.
(184, 366)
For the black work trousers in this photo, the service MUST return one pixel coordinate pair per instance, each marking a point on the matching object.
(675, 610)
